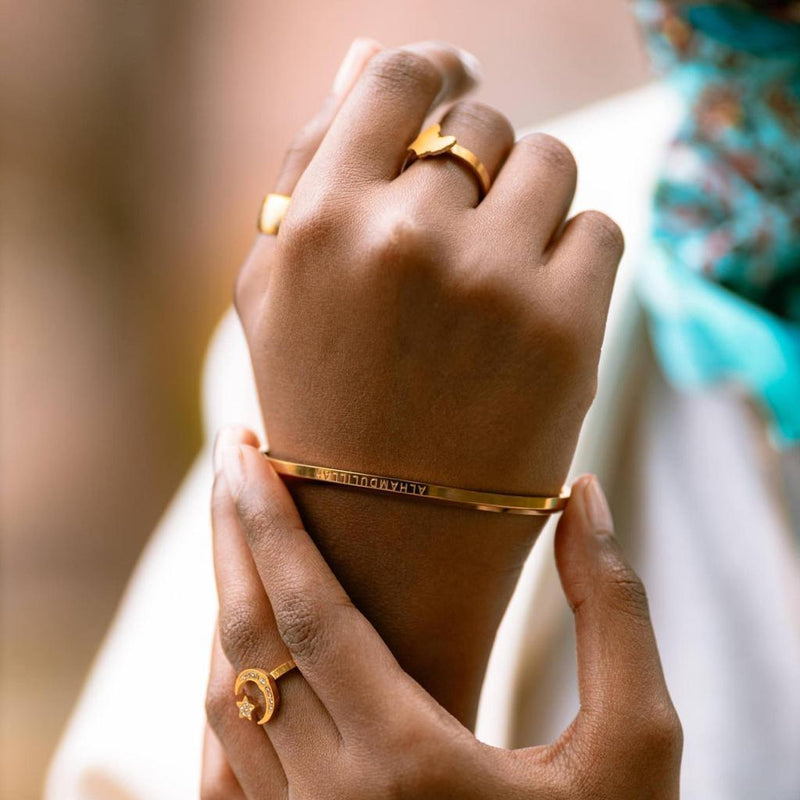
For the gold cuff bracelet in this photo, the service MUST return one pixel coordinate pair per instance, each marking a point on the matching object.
(482, 501)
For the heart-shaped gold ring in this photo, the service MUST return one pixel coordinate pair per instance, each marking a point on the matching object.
(431, 143)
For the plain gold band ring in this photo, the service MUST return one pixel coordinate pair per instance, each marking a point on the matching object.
(273, 210)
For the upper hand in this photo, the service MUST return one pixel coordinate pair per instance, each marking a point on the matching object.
(353, 725)
(399, 326)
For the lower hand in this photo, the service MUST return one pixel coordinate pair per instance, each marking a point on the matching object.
(352, 724)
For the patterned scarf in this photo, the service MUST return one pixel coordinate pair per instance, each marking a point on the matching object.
(721, 282)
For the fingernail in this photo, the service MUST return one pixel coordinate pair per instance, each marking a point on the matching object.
(225, 438)
(597, 507)
(352, 64)
(233, 468)
(471, 64)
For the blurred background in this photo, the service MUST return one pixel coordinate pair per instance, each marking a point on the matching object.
(137, 141)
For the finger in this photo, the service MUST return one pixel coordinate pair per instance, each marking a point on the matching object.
(534, 190)
(334, 646)
(582, 266)
(454, 72)
(248, 750)
(620, 679)
(231, 436)
(385, 111)
(306, 142)
(251, 281)
(479, 128)
(217, 779)
(250, 637)
(244, 610)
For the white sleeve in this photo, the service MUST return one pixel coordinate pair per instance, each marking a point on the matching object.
(138, 727)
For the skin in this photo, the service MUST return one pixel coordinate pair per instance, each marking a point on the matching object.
(401, 324)
(354, 725)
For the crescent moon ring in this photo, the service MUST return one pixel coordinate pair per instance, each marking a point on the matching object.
(265, 682)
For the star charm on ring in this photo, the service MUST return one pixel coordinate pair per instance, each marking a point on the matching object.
(246, 708)
(266, 684)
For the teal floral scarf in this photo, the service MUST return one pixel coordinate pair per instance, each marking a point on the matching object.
(721, 282)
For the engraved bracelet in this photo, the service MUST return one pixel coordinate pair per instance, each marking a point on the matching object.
(482, 501)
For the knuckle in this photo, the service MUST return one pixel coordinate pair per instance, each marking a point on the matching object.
(605, 231)
(261, 516)
(311, 225)
(663, 731)
(553, 152)
(624, 587)
(404, 71)
(300, 624)
(472, 115)
(239, 632)
(401, 239)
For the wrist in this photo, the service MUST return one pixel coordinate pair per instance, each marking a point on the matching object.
(525, 505)
(417, 569)
(471, 465)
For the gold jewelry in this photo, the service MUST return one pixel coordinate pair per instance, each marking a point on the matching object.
(266, 684)
(482, 501)
(431, 143)
(273, 210)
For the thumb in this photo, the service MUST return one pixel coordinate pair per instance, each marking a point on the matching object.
(620, 679)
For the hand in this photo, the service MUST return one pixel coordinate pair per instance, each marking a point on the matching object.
(352, 724)
(398, 326)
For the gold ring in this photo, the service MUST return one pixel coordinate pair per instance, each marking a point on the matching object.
(273, 210)
(265, 682)
(431, 143)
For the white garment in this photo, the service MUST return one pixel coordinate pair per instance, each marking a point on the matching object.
(695, 501)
